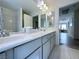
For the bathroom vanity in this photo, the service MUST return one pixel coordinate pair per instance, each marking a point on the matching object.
(22, 45)
(28, 46)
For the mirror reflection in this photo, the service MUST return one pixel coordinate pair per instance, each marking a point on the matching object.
(47, 20)
(50, 21)
(43, 21)
(10, 22)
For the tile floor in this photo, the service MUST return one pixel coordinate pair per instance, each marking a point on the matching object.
(64, 52)
(67, 50)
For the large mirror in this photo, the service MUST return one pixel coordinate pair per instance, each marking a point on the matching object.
(47, 21)
(43, 21)
(8, 20)
(36, 22)
(11, 21)
(27, 21)
(50, 21)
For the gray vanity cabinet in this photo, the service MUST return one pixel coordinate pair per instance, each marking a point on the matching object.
(21, 52)
(3, 56)
(36, 55)
(51, 43)
(7, 54)
(46, 46)
(52, 40)
(10, 54)
(46, 50)
(39, 48)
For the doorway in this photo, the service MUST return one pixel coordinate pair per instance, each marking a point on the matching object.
(65, 24)
(63, 33)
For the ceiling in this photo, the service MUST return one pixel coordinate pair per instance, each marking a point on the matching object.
(30, 5)
(59, 3)
(27, 5)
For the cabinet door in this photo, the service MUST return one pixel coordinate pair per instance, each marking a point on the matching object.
(24, 50)
(3, 56)
(36, 55)
(54, 38)
(51, 43)
(9, 54)
(46, 50)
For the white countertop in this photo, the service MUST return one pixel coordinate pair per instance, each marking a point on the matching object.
(21, 38)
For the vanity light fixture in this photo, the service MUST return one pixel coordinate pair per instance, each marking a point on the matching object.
(49, 13)
(70, 24)
(52, 18)
(46, 8)
(42, 6)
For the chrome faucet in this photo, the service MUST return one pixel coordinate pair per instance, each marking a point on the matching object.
(3, 33)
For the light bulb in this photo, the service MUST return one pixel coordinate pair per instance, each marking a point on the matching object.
(49, 14)
(38, 5)
(42, 3)
(46, 8)
(41, 8)
(52, 18)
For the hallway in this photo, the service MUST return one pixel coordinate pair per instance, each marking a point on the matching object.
(65, 39)
(68, 48)
(64, 52)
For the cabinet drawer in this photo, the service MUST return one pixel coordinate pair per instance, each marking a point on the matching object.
(46, 50)
(9, 54)
(23, 51)
(3, 56)
(36, 55)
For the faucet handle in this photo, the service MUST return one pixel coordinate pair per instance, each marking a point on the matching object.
(4, 33)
